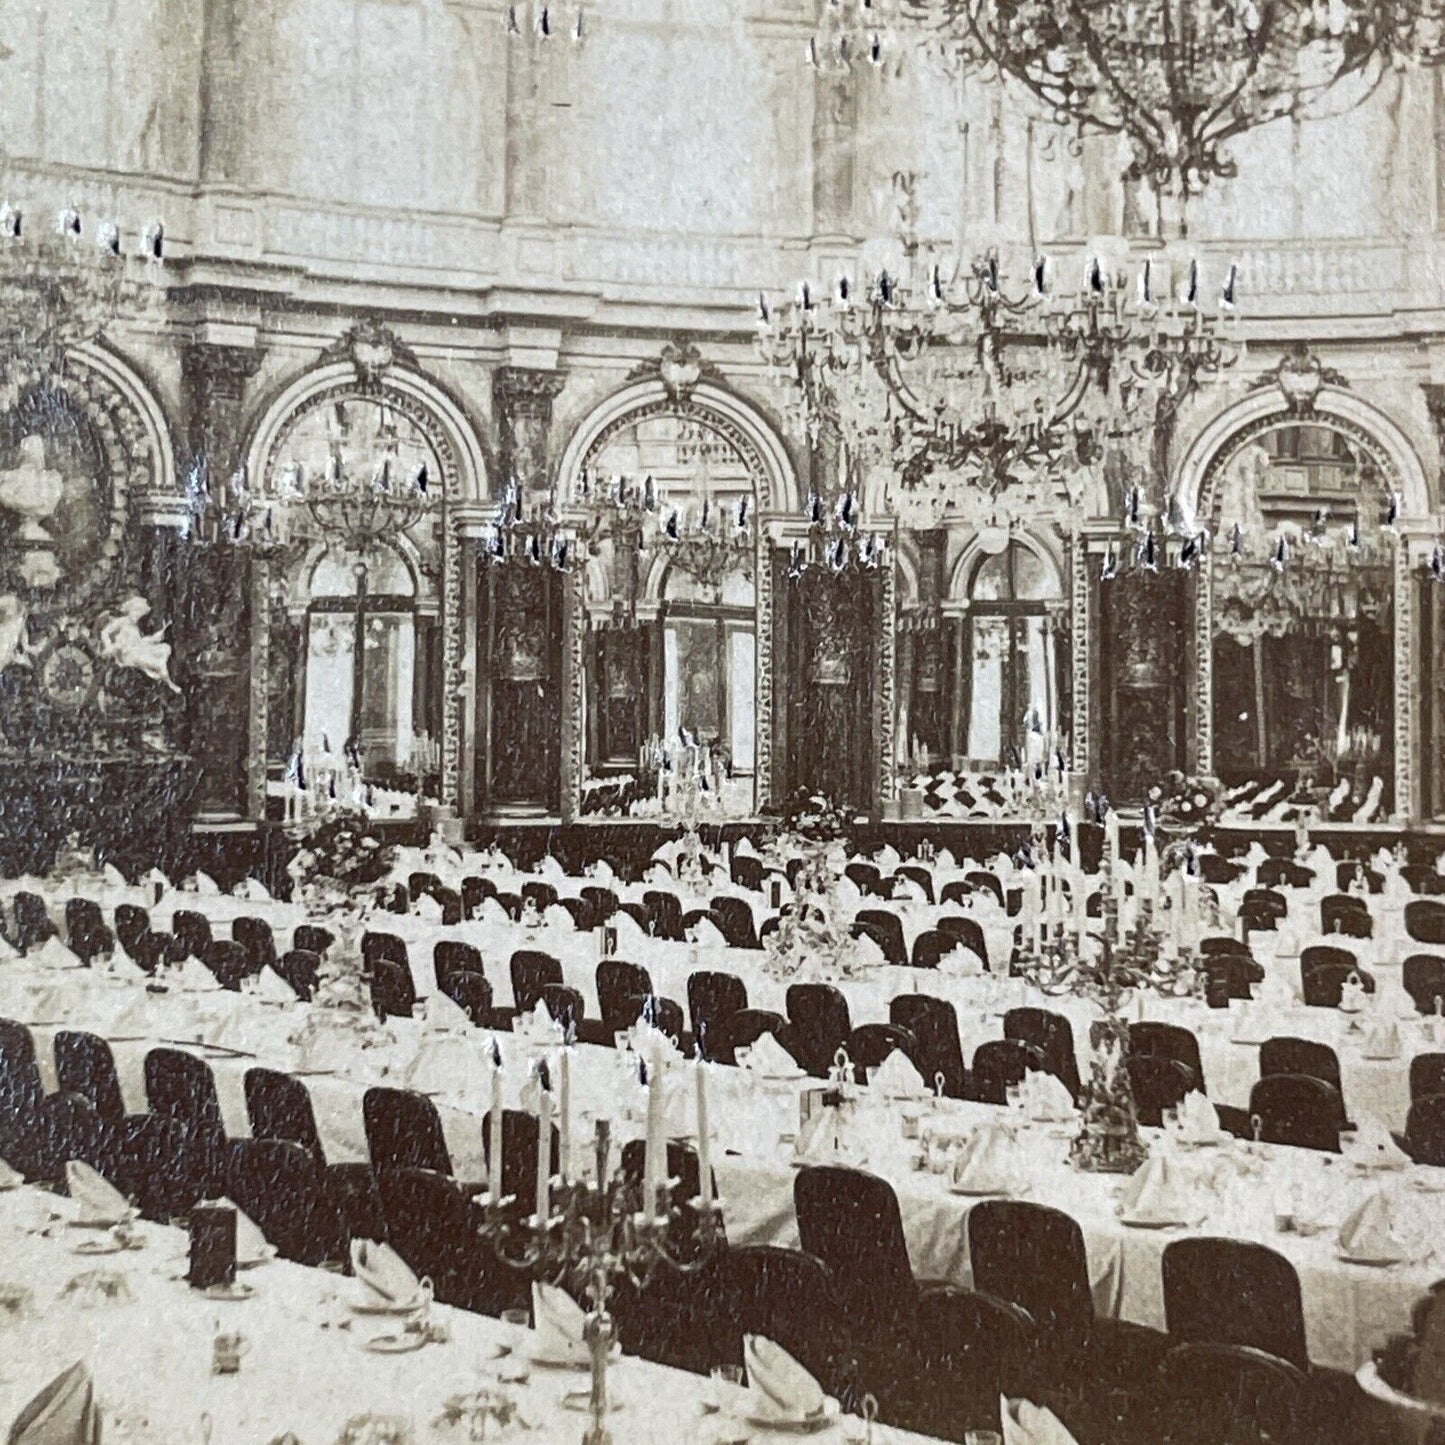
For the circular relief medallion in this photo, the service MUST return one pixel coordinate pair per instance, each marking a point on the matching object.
(67, 675)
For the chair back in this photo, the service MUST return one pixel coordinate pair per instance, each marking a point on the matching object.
(1352, 874)
(151, 951)
(1229, 972)
(192, 931)
(979, 880)
(451, 956)
(734, 920)
(602, 901)
(748, 873)
(1231, 1292)
(181, 1087)
(664, 914)
(282, 1188)
(868, 877)
(933, 1022)
(968, 931)
(1423, 978)
(1323, 980)
(999, 1064)
(1299, 1110)
(393, 995)
(1285, 1055)
(567, 1008)
(73, 1129)
(1158, 1084)
(226, 959)
(1261, 910)
(279, 1107)
(519, 1154)
(917, 873)
(1052, 1035)
(1427, 1075)
(32, 921)
(869, 1044)
(432, 1225)
(744, 1028)
(131, 921)
(713, 997)
(299, 967)
(886, 930)
(378, 947)
(1218, 870)
(531, 973)
(1169, 1041)
(1425, 920)
(85, 932)
(254, 935)
(404, 1131)
(421, 882)
(1425, 1130)
(619, 985)
(85, 1065)
(1283, 873)
(786, 1295)
(312, 938)
(850, 1220)
(474, 892)
(1342, 913)
(1034, 1257)
(1208, 1393)
(472, 994)
(818, 1016)
(664, 1014)
(540, 894)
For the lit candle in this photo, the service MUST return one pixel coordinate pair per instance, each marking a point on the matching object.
(704, 1145)
(653, 1167)
(494, 1124)
(564, 1101)
(544, 1155)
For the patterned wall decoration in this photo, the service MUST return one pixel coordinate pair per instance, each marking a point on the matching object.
(1076, 558)
(885, 719)
(574, 733)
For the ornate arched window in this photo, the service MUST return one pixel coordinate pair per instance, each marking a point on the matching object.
(1014, 704)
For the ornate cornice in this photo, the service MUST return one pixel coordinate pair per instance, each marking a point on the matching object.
(221, 371)
(520, 391)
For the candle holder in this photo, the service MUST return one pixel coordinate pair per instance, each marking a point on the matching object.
(601, 1233)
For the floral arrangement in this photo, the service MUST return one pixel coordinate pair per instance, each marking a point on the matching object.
(339, 855)
(1186, 802)
(815, 819)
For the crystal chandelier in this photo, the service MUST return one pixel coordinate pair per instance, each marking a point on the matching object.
(359, 507)
(60, 289)
(1178, 80)
(969, 394)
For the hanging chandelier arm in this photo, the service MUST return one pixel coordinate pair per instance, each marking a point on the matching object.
(1123, 94)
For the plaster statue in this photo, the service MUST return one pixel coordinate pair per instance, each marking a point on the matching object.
(14, 637)
(123, 642)
(32, 491)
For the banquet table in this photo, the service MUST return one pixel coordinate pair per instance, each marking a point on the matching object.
(1349, 1308)
(306, 1367)
(1373, 1088)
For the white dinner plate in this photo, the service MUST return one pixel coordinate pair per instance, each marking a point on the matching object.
(1153, 1223)
(98, 1246)
(968, 1191)
(238, 1290)
(404, 1344)
(1381, 1263)
(766, 1420)
(410, 1308)
(543, 1360)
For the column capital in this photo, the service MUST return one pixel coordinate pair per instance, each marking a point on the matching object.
(524, 391)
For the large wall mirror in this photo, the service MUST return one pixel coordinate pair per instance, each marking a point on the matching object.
(1303, 635)
(671, 695)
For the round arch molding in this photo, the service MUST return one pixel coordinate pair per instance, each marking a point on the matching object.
(1375, 431)
(464, 489)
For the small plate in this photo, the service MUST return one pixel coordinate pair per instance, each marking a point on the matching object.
(98, 1246)
(1152, 1223)
(767, 1421)
(581, 1401)
(257, 1263)
(404, 1344)
(239, 1290)
(966, 1191)
(101, 1223)
(537, 1356)
(312, 1073)
(1368, 1263)
(378, 1309)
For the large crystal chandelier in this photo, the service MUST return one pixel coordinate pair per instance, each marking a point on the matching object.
(977, 398)
(1178, 80)
(61, 285)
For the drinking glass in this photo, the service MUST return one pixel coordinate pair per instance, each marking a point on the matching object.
(725, 1382)
(1014, 1094)
(517, 1323)
(982, 1437)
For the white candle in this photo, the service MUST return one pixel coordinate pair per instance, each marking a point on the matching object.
(494, 1125)
(704, 1145)
(653, 1167)
(544, 1155)
(564, 1102)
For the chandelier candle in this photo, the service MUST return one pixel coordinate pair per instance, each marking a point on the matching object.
(494, 1125)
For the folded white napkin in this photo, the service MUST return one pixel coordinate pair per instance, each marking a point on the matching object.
(629, 930)
(384, 1277)
(867, 953)
(252, 890)
(445, 1015)
(1253, 1023)
(550, 869)
(769, 1058)
(1046, 1098)
(1198, 1118)
(555, 916)
(559, 1322)
(960, 962)
(54, 954)
(648, 1041)
(780, 1386)
(7, 953)
(63, 1413)
(1368, 1232)
(1371, 1147)
(896, 1077)
(123, 966)
(745, 849)
(202, 884)
(1156, 1193)
(427, 909)
(272, 988)
(153, 878)
(658, 873)
(1029, 1424)
(601, 873)
(10, 1178)
(192, 976)
(1275, 991)
(538, 1027)
(1382, 1042)
(705, 934)
(113, 876)
(987, 1163)
(97, 1201)
(944, 860)
(887, 857)
(251, 1245)
(492, 912)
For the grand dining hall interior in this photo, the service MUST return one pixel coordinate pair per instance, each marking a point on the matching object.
(722, 720)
